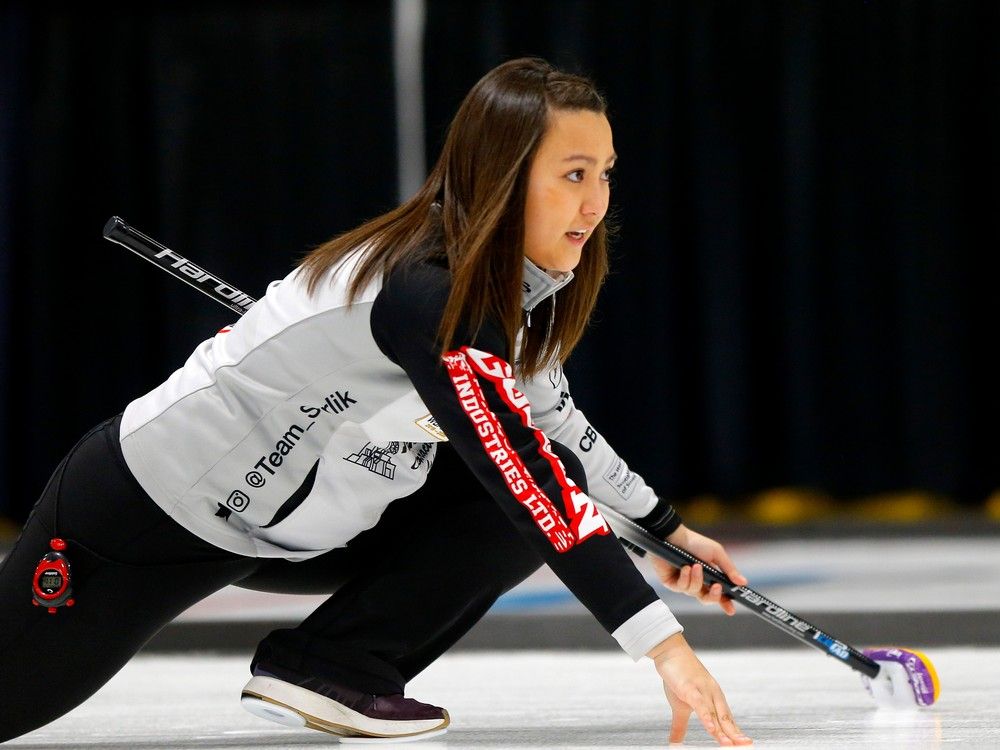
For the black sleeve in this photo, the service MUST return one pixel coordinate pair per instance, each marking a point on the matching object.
(471, 395)
(663, 520)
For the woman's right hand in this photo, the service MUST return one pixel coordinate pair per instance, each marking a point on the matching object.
(690, 579)
(689, 687)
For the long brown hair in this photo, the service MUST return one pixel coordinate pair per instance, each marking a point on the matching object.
(471, 211)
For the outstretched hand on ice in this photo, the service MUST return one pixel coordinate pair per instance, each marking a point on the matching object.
(690, 688)
(690, 579)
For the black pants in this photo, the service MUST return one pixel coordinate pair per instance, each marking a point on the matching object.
(402, 592)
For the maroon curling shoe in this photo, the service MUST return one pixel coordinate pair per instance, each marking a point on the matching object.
(280, 695)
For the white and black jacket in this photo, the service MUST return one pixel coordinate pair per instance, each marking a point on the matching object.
(289, 432)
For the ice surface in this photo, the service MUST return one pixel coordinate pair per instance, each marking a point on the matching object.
(781, 698)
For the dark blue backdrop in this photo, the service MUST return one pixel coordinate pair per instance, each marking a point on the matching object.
(806, 200)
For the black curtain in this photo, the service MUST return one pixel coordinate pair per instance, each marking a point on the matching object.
(806, 197)
(238, 135)
(801, 290)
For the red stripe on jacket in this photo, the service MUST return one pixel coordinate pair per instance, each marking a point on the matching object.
(585, 519)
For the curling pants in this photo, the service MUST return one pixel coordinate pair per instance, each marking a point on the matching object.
(401, 593)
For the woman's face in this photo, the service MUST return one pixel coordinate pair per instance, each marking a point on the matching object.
(568, 188)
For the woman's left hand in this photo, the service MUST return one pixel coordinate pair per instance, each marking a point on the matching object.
(690, 579)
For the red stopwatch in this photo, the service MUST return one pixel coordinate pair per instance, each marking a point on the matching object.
(50, 586)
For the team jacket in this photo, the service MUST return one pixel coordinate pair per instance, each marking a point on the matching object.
(288, 433)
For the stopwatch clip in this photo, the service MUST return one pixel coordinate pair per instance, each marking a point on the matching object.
(50, 586)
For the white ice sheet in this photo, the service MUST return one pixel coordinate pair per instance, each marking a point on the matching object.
(783, 699)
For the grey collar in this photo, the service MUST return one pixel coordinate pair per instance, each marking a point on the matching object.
(537, 285)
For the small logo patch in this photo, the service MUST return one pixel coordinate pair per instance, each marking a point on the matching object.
(429, 425)
(238, 501)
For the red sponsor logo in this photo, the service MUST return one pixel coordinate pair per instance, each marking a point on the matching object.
(585, 519)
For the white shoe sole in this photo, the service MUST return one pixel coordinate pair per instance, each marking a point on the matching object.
(292, 706)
